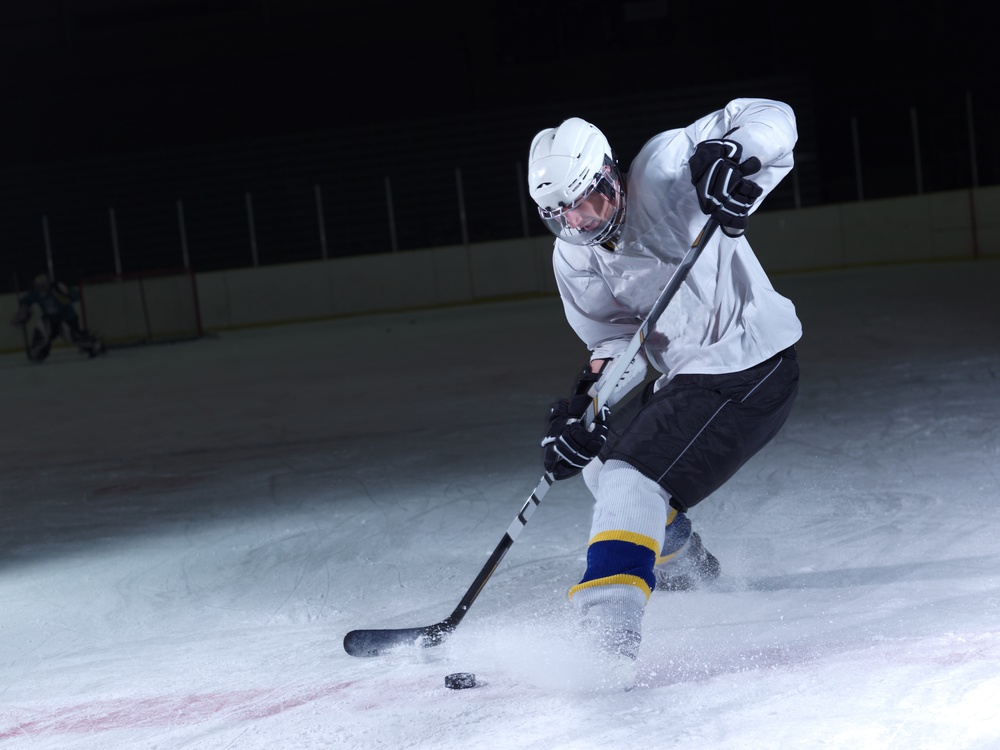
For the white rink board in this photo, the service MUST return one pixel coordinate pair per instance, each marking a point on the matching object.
(142, 308)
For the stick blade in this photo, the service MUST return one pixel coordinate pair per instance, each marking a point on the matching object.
(379, 642)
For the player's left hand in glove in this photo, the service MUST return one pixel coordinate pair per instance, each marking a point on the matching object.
(719, 178)
(568, 446)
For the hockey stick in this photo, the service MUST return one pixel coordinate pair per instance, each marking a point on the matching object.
(377, 642)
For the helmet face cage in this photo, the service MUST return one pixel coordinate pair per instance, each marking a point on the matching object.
(595, 216)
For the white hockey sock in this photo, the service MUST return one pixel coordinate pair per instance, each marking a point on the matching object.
(626, 537)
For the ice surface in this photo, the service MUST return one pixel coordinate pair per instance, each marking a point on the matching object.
(190, 530)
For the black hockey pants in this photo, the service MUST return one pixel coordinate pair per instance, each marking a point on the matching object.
(695, 433)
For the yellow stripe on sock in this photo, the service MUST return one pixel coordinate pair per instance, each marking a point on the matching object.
(664, 558)
(620, 578)
(671, 515)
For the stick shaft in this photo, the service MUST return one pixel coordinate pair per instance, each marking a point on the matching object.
(601, 390)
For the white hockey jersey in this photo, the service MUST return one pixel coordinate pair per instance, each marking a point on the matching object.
(726, 316)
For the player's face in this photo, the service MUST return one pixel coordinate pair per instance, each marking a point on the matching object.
(592, 217)
(592, 213)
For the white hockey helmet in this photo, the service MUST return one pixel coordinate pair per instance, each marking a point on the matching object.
(573, 176)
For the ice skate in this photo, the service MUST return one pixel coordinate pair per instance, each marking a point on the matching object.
(616, 650)
(95, 348)
(693, 567)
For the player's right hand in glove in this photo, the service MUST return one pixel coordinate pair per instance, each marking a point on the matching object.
(724, 193)
(568, 446)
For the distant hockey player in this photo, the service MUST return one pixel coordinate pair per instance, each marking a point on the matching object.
(724, 374)
(55, 302)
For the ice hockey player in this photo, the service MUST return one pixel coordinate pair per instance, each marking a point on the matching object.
(724, 374)
(59, 318)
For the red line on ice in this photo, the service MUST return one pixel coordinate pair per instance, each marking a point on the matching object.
(136, 713)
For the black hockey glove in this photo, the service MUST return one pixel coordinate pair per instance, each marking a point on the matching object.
(724, 193)
(568, 446)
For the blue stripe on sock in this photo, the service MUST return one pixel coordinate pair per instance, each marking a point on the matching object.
(611, 557)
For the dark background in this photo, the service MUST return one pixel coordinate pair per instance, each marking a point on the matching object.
(134, 105)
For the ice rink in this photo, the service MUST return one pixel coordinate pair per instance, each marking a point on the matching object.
(189, 531)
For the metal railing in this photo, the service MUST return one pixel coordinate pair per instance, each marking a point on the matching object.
(410, 186)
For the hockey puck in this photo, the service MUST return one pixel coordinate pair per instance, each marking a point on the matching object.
(460, 680)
